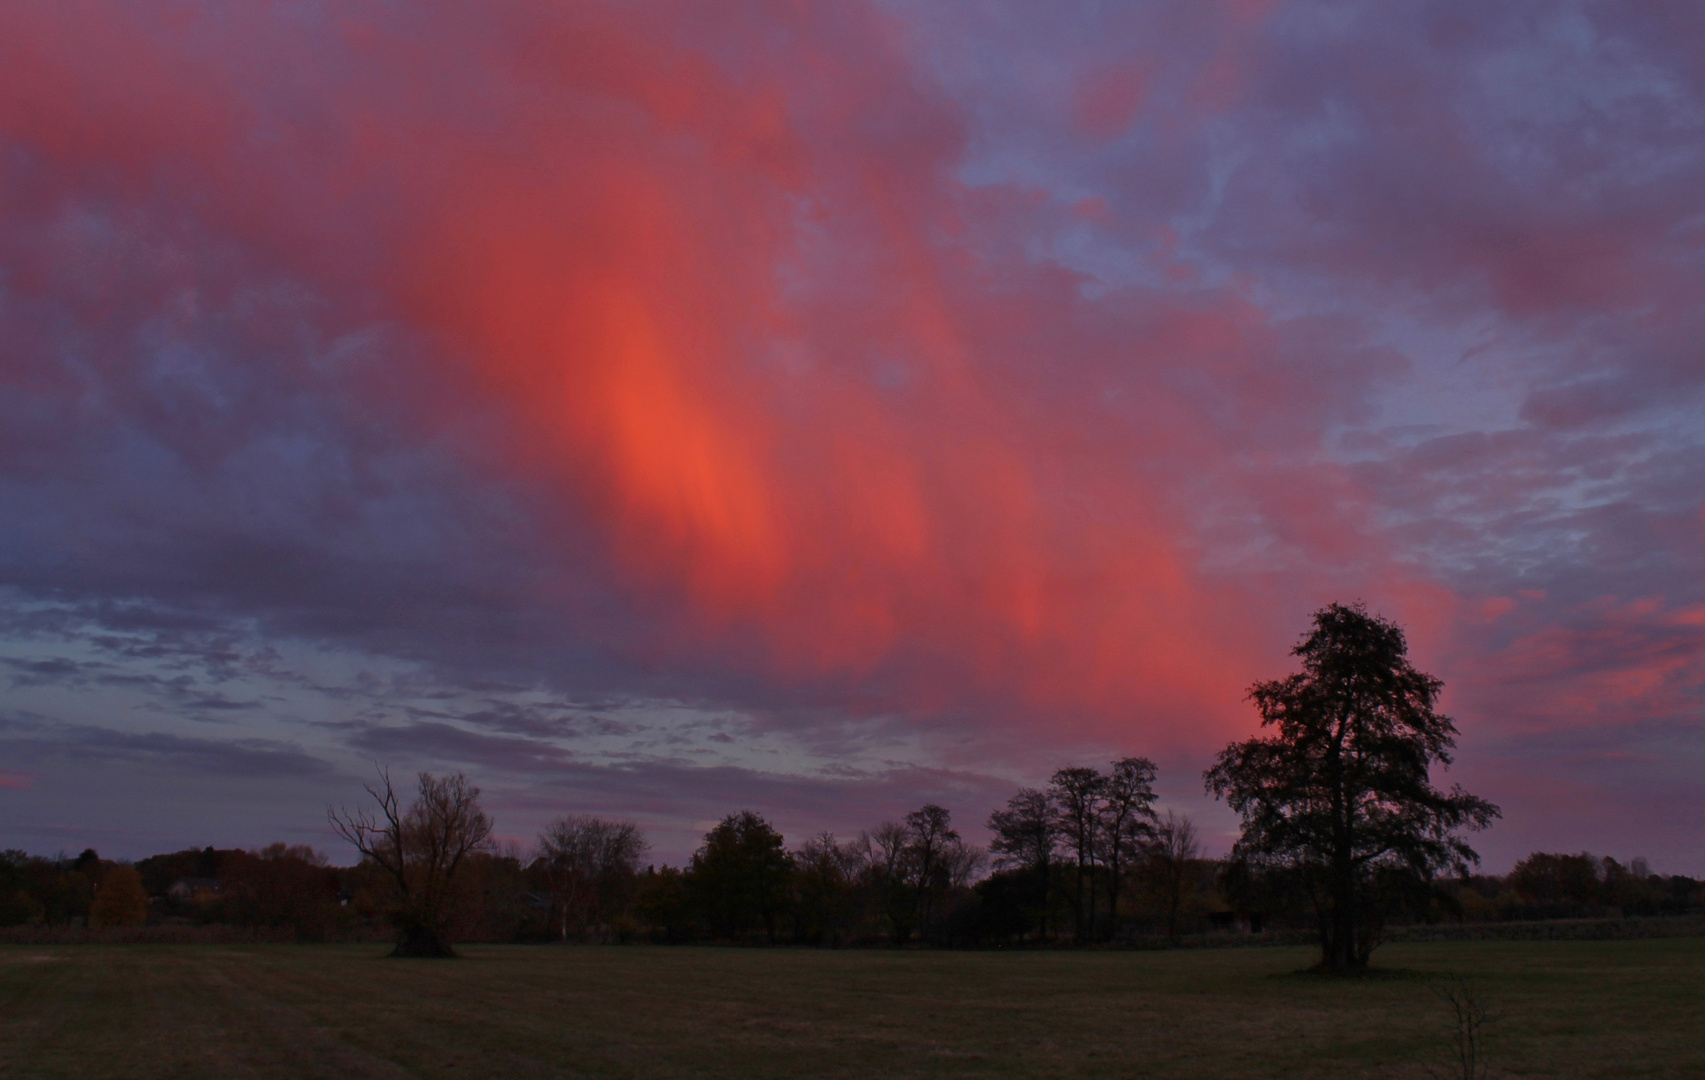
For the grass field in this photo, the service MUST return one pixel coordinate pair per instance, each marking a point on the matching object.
(1572, 1009)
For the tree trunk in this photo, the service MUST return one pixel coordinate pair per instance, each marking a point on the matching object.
(419, 941)
(1341, 954)
(1113, 899)
(1077, 904)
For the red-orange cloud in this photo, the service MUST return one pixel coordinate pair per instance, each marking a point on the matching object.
(719, 274)
(835, 414)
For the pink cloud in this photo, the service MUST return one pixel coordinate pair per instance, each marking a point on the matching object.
(1108, 100)
(589, 220)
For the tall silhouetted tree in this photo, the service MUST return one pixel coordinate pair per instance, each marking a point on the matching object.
(1076, 793)
(1025, 840)
(421, 851)
(887, 856)
(930, 836)
(1125, 821)
(1341, 792)
(740, 876)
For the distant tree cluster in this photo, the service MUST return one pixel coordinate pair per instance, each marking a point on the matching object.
(1558, 886)
(1073, 846)
(902, 881)
(1344, 833)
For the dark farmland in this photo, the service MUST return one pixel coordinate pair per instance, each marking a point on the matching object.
(1572, 1009)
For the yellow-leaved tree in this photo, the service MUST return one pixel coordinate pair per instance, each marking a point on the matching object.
(120, 900)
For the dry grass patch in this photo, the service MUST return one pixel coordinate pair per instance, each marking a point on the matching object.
(1572, 1009)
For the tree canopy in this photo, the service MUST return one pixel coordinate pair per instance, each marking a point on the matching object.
(741, 875)
(1340, 793)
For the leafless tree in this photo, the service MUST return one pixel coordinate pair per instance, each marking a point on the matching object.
(827, 875)
(421, 850)
(1175, 846)
(888, 857)
(929, 837)
(590, 861)
(1126, 822)
(1076, 793)
(963, 863)
(885, 850)
(1024, 832)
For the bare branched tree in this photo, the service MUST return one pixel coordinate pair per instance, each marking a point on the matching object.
(888, 858)
(826, 876)
(421, 850)
(963, 863)
(592, 862)
(1076, 793)
(1175, 847)
(1126, 822)
(1024, 833)
(930, 835)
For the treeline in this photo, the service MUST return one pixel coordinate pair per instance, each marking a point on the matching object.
(1083, 860)
(1581, 886)
(1343, 834)
(287, 892)
(589, 884)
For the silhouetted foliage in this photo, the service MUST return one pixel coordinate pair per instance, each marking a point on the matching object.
(1091, 843)
(1125, 823)
(1024, 842)
(280, 886)
(930, 837)
(827, 890)
(739, 878)
(661, 899)
(1075, 793)
(1013, 904)
(1341, 792)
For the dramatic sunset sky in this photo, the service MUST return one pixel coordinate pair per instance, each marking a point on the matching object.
(663, 408)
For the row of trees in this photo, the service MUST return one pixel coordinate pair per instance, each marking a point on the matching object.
(1081, 857)
(749, 886)
(1563, 886)
(1083, 836)
(1337, 801)
(901, 881)
(1342, 826)
(1065, 857)
(35, 890)
(282, 891)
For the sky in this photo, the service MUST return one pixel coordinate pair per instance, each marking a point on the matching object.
(659, 409)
